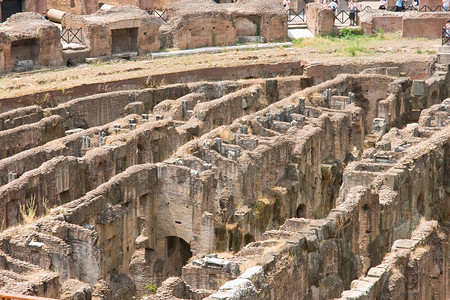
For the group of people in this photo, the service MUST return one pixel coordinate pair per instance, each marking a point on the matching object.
(334, 4)
(401, 5)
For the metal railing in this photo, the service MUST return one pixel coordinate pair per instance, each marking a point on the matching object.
(68, 35)
(424, 8)
(8, 296)
(445, 37)
(296, 16)
(159, 14)
(343, 16)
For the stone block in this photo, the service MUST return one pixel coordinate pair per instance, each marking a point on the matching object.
(405, 244)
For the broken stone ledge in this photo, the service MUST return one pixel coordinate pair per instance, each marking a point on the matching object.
(206, 50)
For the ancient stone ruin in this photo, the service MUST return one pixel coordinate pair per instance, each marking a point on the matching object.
(28, 39)
(292, 178)
(284, 181)
(118, 30)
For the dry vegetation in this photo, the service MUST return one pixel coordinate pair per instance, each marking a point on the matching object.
(320, 49)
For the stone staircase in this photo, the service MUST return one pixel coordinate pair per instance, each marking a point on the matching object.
(297, 25)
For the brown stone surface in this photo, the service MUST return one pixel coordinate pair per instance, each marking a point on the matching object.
(229, 189)
(78, 7)
(195, 24)
(117, 30)
(427, 25)
(320, 19)
(29, 37)
(143, 4)
(412, 24)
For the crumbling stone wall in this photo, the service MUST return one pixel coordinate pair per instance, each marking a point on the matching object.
(414, 268)
(414, 25)
(220, 25)
(44, 283)
(117, 30)
(77, 7)
(374, 21)
(363, 234)
(143, 4)
(28, 39)
(27, 136)
(320, 19)
(411, 24)
(21, 116)
(213, 30)
(421, 69)
(233, 189)
(356, 225)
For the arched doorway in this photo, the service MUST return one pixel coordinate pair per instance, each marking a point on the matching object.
(301, 211)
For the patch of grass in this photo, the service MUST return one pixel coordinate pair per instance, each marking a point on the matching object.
(349, 42)
(298, 42)
(350, 32)
(151, 288)
(380, 34)
(354, 48)
(28, 210)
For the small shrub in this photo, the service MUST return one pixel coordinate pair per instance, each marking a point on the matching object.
(28, 210)
(298, 42)
(151, 83)
(151, 288)
(354, 48)
(259, 207)
(380, 34)
(349, 32)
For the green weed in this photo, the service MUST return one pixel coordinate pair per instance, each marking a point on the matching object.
(151, 288)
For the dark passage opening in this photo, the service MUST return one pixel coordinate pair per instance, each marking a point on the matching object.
(10, 7)
(178, 253)
(25, 50)
(301, 211)
(185, 251)
(124, 40)
(248, 238)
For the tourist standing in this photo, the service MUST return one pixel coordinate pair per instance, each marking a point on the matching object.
(286, 4)
(445, 4)
(333, 5)
(352, 13)
(398, 5)
(383, 4)
(447, 29)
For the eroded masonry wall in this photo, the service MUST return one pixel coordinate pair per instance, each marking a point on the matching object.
(325, 255)
(405, 181)
(281, 189)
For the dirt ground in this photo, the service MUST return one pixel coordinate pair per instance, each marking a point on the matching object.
(391, 48)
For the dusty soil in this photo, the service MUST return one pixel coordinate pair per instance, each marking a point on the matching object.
(391, 48)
